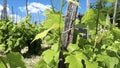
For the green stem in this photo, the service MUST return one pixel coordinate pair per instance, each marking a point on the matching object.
(60, 23)
(96, 32)
(3, 62)
(117, 55)
(97, 22)
(61, 58)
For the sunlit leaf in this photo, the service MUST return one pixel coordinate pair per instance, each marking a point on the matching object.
(72, 47)
(104, 21)
(116, 33)
(52, 18)
(2, 64)
(41, 64)
(91, 65)
(108, 20)
(55, 47)
(2, 47)
(44, 33)
(75, 60)
(110, 0)
(90, 18)
(115, 46)
(49, 56)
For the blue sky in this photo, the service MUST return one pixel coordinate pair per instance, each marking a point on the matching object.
(36, 7)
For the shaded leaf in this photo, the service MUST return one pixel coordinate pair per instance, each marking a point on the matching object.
(2, 64)
(15, 60)
(110, 62)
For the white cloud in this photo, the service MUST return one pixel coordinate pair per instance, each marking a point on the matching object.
(35, 7)
(15, 17)
(1, 8)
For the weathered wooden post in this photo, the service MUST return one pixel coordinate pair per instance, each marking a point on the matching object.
(12, 14)
(115, 11)
(4, 11)
(88, 4)
(67, 36)
(27, 7)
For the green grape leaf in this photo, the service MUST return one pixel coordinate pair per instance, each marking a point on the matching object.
(52, 64)
(52, 18)
(116, 33)
(110, 0)
(115, 46)
(90, 19)
(108, 23)
(49, 56)
(118, 65)
(55, 47)
(91, 65)
(1, 37)
(2, 47)
(75, 60)
(27, 19)
(18, 42)
(77, 22)
(9, 42)
(110, 62)
(41, 64)
(41, 35)
(44, 33)
(72, 47)
(2, 64)
(3, 59)
(15, 60)
(51, 37)
(104, 21)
